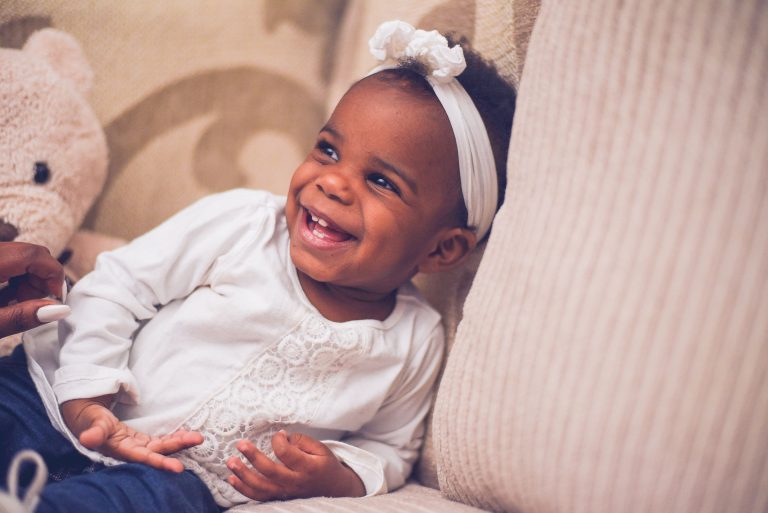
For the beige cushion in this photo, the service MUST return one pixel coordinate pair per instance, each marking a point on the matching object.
(412, 498)
(446, 292)
(613, 351)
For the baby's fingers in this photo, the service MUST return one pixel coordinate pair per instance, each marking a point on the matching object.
(164, 463)
(98, 433)
(142, 454)
(252, 484)
(298, 451)
(270, 469)
(175, 442)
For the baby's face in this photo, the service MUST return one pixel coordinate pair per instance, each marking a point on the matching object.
(371, 199)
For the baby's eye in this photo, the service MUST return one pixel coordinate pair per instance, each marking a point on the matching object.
(328, 150)
(380, 180)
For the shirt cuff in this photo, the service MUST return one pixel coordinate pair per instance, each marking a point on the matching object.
(366, 465)
(85, 380)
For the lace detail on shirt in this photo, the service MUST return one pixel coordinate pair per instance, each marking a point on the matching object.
(284, 385)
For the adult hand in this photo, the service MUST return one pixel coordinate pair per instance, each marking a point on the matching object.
(97, 428)
(307, 468)
(28, 273)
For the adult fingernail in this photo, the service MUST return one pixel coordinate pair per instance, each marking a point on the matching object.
(50, 313)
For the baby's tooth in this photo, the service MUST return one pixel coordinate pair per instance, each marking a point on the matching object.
(322, 222)
(318, 234)
(314, 217)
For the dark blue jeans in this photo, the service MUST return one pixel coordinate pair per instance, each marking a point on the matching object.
(75, 484)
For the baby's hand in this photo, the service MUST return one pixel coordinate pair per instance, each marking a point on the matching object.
(308, 469)
(98, 429)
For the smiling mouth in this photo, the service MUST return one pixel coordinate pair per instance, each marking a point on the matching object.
(324, 230)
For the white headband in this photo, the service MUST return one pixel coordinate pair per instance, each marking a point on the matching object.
(396, 42)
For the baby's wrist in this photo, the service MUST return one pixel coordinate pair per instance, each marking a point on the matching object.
(349, 484)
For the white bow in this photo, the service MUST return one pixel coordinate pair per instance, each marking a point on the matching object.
(396, 42)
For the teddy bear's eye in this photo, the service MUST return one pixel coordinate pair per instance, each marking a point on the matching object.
(42, 173)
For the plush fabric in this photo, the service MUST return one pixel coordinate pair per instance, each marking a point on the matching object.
(53, 155)
(613, 347)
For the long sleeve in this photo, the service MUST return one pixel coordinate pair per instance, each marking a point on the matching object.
(131, 284)
(383, 451)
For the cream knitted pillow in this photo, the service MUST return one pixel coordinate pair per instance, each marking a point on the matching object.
(613, 351)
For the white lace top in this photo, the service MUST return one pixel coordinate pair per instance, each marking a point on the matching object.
(202, 324)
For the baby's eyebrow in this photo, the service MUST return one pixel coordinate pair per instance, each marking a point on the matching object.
(335, 133)
(403, 176)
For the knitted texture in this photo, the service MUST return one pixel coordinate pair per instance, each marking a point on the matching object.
(613, 348)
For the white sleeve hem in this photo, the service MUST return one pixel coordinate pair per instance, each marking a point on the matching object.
(366, 465)
(86, 380)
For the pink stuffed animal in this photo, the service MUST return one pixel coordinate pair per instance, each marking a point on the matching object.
(53, 154)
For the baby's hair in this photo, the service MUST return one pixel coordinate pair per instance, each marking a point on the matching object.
(493, 96)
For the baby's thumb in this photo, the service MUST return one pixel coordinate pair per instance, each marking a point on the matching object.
(29, 314)
(307, 444)
(97, 434)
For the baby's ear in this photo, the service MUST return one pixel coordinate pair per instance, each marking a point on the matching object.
(451, 250)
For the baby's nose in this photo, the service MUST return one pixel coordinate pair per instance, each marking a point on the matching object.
(8, 232)
(336, 187)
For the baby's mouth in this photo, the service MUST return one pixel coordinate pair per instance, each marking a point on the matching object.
(323, 229)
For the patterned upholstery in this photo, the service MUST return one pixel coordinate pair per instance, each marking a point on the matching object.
(194, 97)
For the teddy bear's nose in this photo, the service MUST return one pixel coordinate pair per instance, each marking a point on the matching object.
(8, 232)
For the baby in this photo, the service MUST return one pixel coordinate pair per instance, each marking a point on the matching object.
(248, 316)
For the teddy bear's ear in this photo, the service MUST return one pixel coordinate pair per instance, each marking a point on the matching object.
(64, 54)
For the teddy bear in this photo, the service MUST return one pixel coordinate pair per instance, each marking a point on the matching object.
(53, 152)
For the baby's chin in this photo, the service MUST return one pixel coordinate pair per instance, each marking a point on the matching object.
(314, 270)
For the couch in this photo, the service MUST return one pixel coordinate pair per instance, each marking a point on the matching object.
(609, 344)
